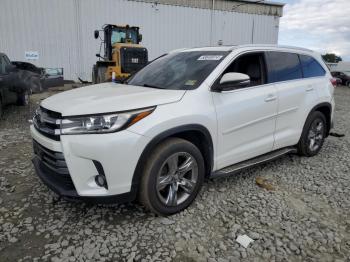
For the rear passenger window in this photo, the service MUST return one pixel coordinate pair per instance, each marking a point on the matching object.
(283, 66)
(311, 68)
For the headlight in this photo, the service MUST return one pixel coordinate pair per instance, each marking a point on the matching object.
(104, 123)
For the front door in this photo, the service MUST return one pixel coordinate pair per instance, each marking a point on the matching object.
(246, 116)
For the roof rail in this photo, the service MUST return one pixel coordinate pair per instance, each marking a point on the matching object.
(178, 50)
(274, 46)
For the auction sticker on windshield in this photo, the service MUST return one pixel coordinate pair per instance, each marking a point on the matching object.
(210, 58)
(190, 82)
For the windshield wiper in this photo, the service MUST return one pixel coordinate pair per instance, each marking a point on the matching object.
(153, 86)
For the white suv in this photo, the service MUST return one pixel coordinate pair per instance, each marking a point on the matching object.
(188, 115)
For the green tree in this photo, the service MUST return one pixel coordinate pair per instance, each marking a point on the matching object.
(331, 58)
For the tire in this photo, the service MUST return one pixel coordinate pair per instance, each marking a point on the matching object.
(101, 74)
(23, 98)
(313, 135)
(156, 196)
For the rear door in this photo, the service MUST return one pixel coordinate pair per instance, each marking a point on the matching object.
(246, 116)
(295, 95)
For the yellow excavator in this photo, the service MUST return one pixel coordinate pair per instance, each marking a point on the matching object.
(123, 55)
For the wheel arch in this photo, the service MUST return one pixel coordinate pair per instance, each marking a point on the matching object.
(194, 133)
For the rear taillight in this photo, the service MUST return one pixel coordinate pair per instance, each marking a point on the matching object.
(334, 82)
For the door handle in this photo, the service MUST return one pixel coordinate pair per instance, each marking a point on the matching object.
(309, 89)
(270, 98)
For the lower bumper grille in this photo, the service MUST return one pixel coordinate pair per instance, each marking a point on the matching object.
(51, 167)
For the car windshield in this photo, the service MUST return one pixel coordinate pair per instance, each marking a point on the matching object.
(179, 71)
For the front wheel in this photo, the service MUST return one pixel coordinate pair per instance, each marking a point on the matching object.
(172, 177)
(313, 135)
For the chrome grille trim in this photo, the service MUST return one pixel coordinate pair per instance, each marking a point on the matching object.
(47, 123)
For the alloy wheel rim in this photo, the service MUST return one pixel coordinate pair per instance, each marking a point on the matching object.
(177, 179)
(315, 135)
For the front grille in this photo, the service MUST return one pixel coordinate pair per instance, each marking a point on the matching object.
(47, 122)
(54, 166)
(133, 59)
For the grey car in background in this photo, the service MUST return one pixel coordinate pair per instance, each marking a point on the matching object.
(12, 88)
(39, 78)
(30, 75)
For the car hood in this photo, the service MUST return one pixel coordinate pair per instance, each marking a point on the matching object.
(109, 97)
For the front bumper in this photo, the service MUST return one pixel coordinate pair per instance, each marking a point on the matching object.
(67, 166)
(51, 181)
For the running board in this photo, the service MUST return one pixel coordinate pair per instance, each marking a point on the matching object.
(230, 170)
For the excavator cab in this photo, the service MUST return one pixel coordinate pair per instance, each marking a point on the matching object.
(122, 53)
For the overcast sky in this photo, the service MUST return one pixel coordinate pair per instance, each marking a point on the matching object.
(321, 25)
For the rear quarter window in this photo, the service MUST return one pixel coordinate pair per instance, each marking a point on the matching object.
(310, 66)
(283, 66)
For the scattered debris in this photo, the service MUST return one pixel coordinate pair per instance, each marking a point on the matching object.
(336, 134)
(244, 240)
(166, 221)
(262, 182)
(83, 81)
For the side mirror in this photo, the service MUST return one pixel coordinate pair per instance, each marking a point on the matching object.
(231, 81)
(96, 34)
(98, 55)
(10, 68)
(139, 38)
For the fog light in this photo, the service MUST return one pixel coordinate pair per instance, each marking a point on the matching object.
(101, 181)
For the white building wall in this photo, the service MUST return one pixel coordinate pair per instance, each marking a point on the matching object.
(62, 31)
(342, 66)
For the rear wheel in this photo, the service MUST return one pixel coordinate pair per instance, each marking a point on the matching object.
(313, 135)
(172, 178)
(23, 98)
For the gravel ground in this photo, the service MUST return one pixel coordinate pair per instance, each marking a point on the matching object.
(305, 218)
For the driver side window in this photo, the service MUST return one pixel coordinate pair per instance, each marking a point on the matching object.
(251, 64)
